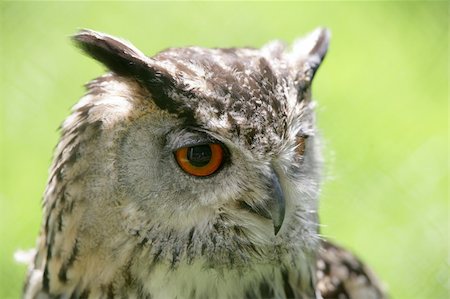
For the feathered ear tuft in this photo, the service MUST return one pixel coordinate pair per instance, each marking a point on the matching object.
(308, 53)
(117, 55)
(124, 59)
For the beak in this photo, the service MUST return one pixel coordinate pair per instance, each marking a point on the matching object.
(277, 205)
(274, 207)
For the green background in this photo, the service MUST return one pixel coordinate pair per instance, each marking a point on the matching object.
(382, 107)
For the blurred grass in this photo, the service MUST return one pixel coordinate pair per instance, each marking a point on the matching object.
(383, 111)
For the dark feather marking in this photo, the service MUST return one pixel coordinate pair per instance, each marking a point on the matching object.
(233, 124)
(45, 279)
(190, 242)
(45, 276)
(265, 290)
(203, 248)
(74, 295)
(59, 174)
(85, 294)
(338, 292)
(60, 221)
(355, 267)
(127, 277)
(237, 230)
(220, 107)
(286, 285)
(214, 235)
(47, 221)
(110, 292)
(190, 237)
(157, 255)
(62, 196)
(143, 242)
(142, 293)
(62, 274)
(250, 135)
(175, 257)
(69, 207)
(268, 75)
(231, 256)
(250, 294)
(214, 240)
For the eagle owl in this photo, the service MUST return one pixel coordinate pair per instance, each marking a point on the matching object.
(194, 173)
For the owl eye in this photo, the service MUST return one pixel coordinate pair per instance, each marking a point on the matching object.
(200, 160)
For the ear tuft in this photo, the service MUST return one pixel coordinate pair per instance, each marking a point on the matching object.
(117, 55)
(308, 52)
(312, 46)
(124, 59)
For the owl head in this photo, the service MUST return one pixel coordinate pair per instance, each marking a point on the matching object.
(191, 153)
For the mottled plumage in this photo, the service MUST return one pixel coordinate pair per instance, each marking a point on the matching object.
(123, 218)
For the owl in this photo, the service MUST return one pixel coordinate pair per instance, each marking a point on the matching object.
(194, 173)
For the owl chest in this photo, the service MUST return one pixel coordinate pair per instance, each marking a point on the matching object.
(197, 281)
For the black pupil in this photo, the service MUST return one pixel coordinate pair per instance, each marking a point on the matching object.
(199, 155)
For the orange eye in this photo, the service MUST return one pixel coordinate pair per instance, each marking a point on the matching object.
(200, 160)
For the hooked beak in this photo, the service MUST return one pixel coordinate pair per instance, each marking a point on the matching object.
(274, 207)
(277, 204)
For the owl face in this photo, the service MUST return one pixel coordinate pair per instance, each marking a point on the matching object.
(212, 152)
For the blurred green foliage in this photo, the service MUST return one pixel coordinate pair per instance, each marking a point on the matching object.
(382, 95)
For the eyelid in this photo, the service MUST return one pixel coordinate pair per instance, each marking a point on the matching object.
(192, 143)
(188, 138)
